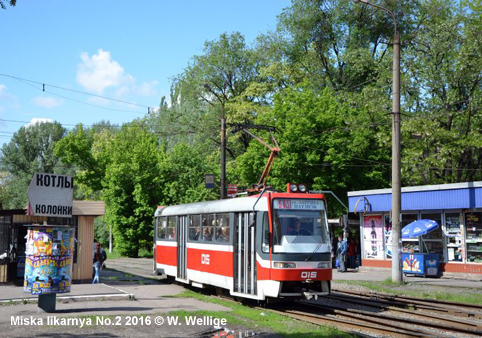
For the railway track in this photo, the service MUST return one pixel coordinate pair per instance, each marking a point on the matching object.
(385, 315)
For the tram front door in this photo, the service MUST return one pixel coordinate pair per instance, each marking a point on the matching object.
(244, 254)
(182, 231)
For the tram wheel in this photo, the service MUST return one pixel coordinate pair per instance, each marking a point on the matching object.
(170, 279)
(220, 292)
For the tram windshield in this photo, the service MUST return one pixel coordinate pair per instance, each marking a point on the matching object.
(299, 226)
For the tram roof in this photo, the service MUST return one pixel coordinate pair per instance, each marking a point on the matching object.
(241, 204)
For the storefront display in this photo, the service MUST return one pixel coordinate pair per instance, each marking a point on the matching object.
(473, 221)
(409, 245)
(454, 238)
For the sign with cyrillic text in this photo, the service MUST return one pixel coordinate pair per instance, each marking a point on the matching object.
(50, 195)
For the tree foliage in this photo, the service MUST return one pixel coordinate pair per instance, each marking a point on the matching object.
(30, 150)
(10, 2)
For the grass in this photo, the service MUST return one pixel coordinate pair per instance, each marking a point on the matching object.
(469, 296)
(256, 319)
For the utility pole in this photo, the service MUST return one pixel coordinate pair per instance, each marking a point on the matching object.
(396, 180)
(223, 152)
(223, 142)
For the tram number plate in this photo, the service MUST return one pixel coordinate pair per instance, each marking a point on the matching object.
(205, 259)
(308, 274)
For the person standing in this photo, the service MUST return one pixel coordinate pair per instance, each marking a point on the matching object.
(341, 253)
(351, 254)
(358, 252)
(99, 256)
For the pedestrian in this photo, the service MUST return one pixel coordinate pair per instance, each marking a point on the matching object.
(351, 254)
(358, 252)
(98, 257)
(341, 253)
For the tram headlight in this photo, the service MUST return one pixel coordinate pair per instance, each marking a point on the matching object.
(302, 188)
(293, 187)
(324, 265)
(284, 265)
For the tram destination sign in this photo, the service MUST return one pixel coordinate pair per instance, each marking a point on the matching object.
(50, 195)
(298, 204)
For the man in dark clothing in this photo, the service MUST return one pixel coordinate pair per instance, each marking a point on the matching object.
(98, 257)
(297, 231)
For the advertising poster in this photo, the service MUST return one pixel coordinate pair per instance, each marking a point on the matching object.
(48, 262)
(42, 242)
(40, 274)
(372, 235)
(388, 235)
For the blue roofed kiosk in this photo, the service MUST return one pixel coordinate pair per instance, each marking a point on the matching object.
(457, 242)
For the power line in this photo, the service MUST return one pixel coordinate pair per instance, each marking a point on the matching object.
(29, 82)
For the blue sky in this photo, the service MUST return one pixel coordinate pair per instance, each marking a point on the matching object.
(124, 50)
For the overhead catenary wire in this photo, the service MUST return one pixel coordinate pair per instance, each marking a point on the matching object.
(44, 85)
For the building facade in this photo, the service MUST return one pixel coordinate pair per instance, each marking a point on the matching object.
(457, 208)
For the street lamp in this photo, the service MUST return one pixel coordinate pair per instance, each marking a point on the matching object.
(396, 181)
(223, 142)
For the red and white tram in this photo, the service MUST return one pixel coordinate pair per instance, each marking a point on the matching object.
(271, 245)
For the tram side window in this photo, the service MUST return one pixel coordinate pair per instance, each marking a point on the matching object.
(208, 223)
(265, 230)
(194, 227)
(171, 227)
(222, 228)
(161, 227)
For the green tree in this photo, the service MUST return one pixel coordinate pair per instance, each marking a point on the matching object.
(87, 150)
(323, 144)
(443, 131)
(10, 2)
(30, 150)
(132, 187)
(185, 171)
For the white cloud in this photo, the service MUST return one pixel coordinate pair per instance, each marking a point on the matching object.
(4, 95)
(99, 72)
(37, 120)
(47, 102)
(147, 89)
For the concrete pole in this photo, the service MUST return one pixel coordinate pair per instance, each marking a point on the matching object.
(223, 153)
(396, 180)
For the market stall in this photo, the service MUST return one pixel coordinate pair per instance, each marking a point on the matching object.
(420, 263)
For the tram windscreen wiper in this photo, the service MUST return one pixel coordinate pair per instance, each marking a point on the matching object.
(314, 251)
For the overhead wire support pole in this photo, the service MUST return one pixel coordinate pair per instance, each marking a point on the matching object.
(223, 142)
(396, 171)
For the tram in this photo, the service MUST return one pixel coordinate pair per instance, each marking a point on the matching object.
(269, 245)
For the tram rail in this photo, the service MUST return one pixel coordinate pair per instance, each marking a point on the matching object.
(374, 314)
